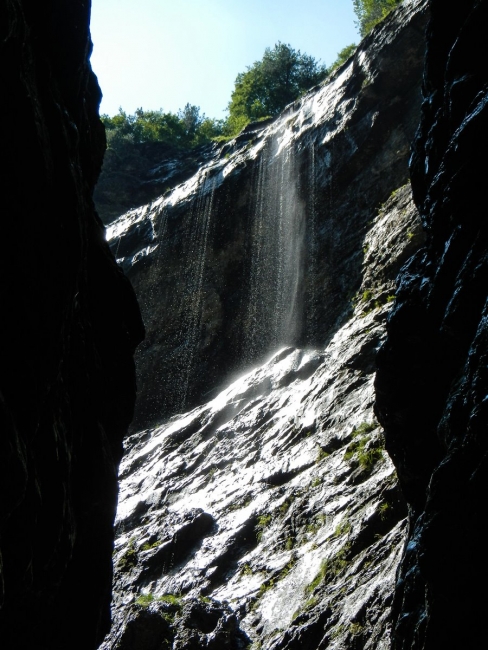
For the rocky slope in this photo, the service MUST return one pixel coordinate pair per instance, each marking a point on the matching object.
(432, 382)
(68, 330)
(270, 514)
(263, 246)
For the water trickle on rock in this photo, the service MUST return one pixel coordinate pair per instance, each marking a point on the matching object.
(191, 298)
(274, 309)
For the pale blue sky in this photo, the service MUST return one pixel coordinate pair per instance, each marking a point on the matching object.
(163, 54)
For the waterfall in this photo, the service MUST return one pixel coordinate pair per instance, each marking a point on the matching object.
(191, 302)
(310, 284)
(274, 309)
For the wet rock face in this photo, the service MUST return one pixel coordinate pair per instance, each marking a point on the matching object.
(432, 383)
(263, 246)
(138, 174)
(270, 517)
(68, 330)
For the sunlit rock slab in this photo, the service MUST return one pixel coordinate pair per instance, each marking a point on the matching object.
(271, 514)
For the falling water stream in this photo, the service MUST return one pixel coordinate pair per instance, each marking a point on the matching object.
(274, 305)
(191, 300)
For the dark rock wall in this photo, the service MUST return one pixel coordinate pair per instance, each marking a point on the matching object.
(136, 174)
(432, 379)
(69, 326)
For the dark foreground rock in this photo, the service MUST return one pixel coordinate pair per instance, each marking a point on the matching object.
(432, 383)
(68, 330)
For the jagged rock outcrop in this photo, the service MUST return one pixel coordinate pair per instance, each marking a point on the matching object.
(69, 326)
(432, 382)
(263, 246)
(270, 513)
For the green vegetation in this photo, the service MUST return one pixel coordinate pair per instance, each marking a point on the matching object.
(337, 632)
(363, 428)
(246, 570)
(147, 546)
(239, 504)
(285, 506)
(366, 456)
(355, 629)
(329, 569)
(268, 85)
(262, 91)
(318, 523)
(204, 599)
(367, 295)
(185, 129)
(171, 599)
(308, 604)
(144, 600)
(286, 570)
(129, 559)
(371, 12)
(398, 189)
(384, 509)
(321, 455)
(343, 55)
(343, 528)
(320, 577)
(266, 586)
(263, 522)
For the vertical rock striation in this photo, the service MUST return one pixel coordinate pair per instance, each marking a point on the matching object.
(69, 326)
(432, 380)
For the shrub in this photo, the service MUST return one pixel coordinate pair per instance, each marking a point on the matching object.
(263, 522)
(371, 12)
(129, 559)
(367, 458)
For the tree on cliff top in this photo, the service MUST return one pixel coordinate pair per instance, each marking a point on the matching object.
(185, 129)
(267, 86)
(371, 12)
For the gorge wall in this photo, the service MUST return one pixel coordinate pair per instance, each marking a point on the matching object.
(263, 246)
(269, 515)
(69, 326)
(432, 383)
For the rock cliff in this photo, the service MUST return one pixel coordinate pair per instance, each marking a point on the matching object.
(68, 330)
(270, 513)
(140, 173)
(263, 246)
(432, 383)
